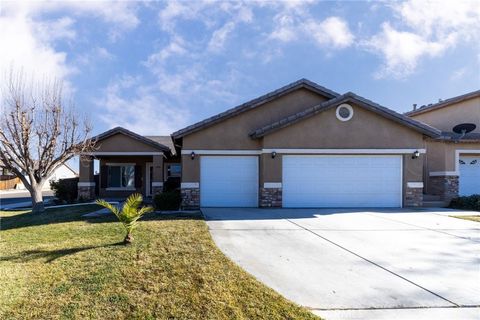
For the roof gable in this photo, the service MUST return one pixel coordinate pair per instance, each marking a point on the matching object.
(444, 103)
(300, 84)
(119, 130)
(347, 97)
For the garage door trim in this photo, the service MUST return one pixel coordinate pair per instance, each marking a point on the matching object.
(254, 199)
(400, 157)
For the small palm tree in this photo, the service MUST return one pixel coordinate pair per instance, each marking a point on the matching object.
(129, 214)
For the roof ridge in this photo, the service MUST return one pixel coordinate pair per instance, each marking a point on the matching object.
(444, 103)
(131, 134)
(425, 128)
(301, 83)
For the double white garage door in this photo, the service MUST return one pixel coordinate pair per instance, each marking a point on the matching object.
(308, 181)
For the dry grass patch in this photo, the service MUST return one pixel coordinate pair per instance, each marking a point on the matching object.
(59, 265)
(475, 218)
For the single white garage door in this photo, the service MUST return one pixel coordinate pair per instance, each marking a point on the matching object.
(229, 181)
(469, 175)
(342, 181)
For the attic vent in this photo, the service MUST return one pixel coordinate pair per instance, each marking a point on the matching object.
(344, 112)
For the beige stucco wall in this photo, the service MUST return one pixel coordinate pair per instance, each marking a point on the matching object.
(441, 155)
(233, 133)
(85, 172)
(447, 117)
(365, 130)
(122, 143)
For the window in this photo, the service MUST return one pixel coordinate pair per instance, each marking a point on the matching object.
(344, 112)
(174, 170)
(121, 176)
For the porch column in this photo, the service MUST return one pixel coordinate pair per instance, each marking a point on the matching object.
(86, 182)
(157, 179)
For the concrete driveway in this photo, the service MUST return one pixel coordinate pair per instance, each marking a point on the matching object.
(357, 264)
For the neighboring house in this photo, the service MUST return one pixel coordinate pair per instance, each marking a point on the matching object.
(10, 181)
(62, 172)
(302, 145)
(7, 179)
(453, 159)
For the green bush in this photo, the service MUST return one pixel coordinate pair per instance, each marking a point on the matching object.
(167, 200)
(467, 203)
(65, 190)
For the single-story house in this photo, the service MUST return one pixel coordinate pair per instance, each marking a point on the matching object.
(302, 145)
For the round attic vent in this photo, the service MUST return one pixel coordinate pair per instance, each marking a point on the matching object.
(344, 112)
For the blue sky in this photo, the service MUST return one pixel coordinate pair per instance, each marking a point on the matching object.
(155, 67)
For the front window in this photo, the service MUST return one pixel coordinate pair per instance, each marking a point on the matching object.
(121, 176)
(174, 170)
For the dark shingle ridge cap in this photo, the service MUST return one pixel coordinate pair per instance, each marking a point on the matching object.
(349, 96)
(302, 83)
(444, 103)
(130, 134)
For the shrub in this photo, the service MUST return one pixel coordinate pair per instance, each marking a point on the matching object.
(129, 214)
(65, 190)
(172, 184)
(467, 202)
(167, 200)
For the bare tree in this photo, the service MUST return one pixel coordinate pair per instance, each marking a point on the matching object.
(38, 132)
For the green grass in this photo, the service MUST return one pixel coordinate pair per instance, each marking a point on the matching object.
(475, 218)
(60, 266)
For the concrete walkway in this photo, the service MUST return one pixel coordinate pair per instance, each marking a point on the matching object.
(359, 264)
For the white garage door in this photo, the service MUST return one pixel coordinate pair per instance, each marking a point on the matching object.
(342, 181)
(229, 181)
(469, 175)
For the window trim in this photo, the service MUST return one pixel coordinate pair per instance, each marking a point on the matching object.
(121, 164)
(344, 105)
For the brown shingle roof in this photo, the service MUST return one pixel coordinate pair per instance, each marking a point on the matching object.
(444, 103)
(348, 97)
(302, 83)
(163, 140)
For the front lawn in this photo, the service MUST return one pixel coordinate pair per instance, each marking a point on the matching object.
(59, 265)
(475, 218)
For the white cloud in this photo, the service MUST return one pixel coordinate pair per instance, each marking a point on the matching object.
(94, 55)
(458, 74)
(441, 18)
(24, 47)
(428, 29)
(402, 50)
(28, 38)
(219, 37)
(143, 112)
(285, 28)
(294, 22)
(332, 31)
(175, 48)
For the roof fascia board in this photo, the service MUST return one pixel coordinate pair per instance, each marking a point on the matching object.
(133, 135)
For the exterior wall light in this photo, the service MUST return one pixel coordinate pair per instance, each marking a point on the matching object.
(416, 154)
(192, 155)
(274, 154)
